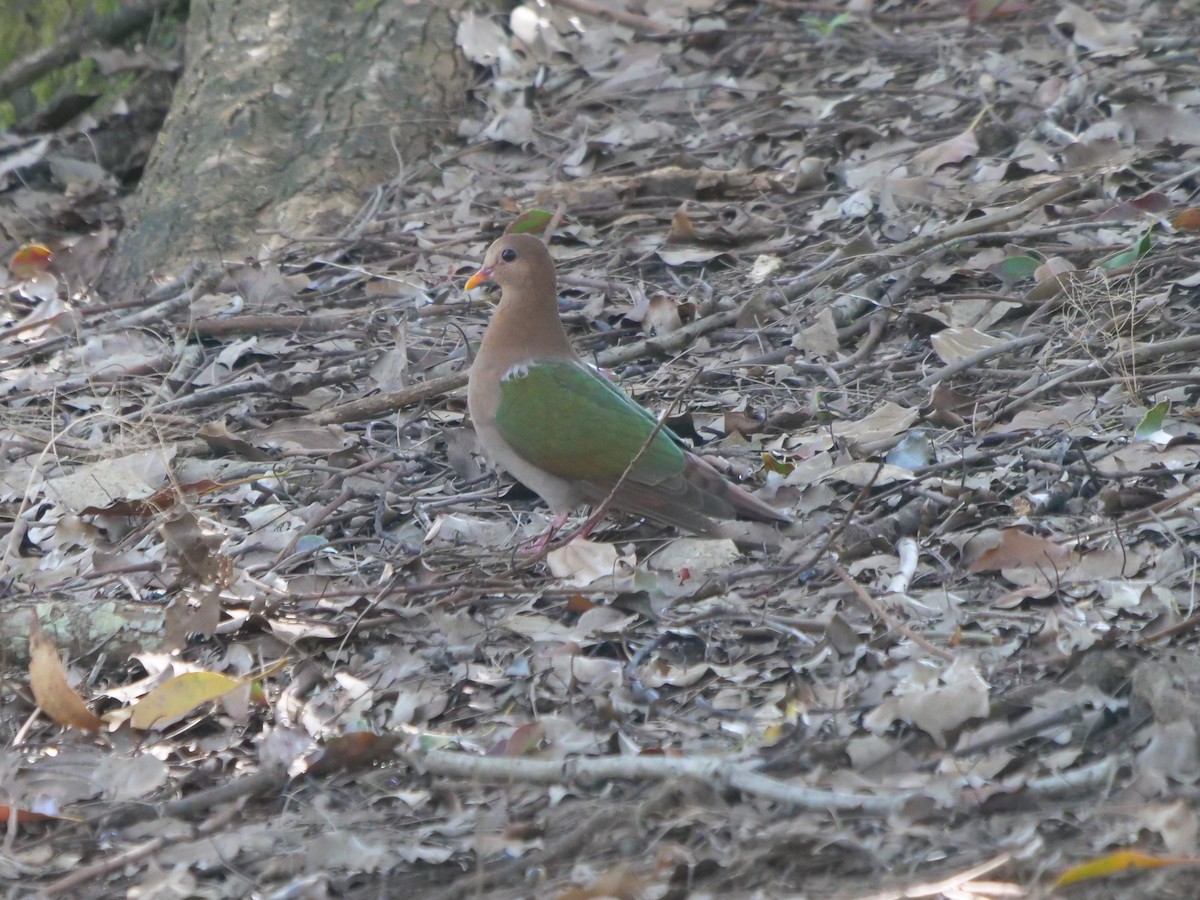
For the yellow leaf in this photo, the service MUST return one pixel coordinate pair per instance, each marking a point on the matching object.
(179, 696)
(270, 670)
(1115, 863)
(30, 261)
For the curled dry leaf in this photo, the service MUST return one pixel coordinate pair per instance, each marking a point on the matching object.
(349, 753)
(48, 681)
(950, 152)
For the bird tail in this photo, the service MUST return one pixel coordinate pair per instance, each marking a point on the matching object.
(691, 500)
(723, 499)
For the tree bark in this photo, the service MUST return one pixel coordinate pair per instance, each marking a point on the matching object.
(286, 115)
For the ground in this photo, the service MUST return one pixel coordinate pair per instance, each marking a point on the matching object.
(925, 280)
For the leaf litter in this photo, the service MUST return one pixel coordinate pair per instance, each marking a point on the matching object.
(935, 272)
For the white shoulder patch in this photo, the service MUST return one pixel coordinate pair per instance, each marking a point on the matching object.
(520, 370)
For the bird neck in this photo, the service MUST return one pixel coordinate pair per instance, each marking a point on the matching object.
(528, 329)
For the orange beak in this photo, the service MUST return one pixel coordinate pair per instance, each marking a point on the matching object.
(478, 278)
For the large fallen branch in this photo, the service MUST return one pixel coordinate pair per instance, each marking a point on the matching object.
(712, 770)
(725, 772)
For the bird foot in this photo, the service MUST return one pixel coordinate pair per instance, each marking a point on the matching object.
(540, 546)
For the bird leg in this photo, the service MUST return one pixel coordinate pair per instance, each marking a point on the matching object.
(592, 521)
(538, 547)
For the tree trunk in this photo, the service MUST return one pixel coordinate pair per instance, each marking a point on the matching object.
(286, 115)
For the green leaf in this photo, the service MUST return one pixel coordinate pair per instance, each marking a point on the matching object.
(1130, 256)
(1017, 268)
(771, 464)
(532, 221)
(1152, 422)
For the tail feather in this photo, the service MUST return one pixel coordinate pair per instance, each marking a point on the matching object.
(689, 500)
(723, 499)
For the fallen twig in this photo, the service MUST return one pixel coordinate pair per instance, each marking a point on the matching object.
(708, 769)
(901, 254)
(970, 362)
(1133, 356)
(147, 848)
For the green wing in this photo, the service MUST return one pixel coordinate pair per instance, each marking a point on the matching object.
(572, 422)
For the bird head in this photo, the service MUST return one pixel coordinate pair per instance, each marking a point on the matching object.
(515, 259)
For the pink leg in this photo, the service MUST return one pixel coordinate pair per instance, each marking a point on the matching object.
(539, 546)
(586, 528)
(593, 520)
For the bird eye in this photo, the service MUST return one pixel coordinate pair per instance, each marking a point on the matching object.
(508, 255)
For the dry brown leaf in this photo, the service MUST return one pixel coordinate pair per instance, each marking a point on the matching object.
(682, 231)
(350, 752)
(955, 150)
(582, 562)
(662, 315)
(620, 883)
(1018, 549)
(133, 477)
(48, 681)
(953, 344)
(1092, 34)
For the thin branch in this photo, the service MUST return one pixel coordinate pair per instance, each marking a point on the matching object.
(80, 877)
(970, 362)
(901, 254)
(1135, 356)
(709, 770)
(385, 404)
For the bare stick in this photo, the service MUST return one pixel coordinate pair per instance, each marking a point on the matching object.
(901, 254)
(970, 362)
(383, 404)
(706, 769)
(89, 873)
(1135, 355)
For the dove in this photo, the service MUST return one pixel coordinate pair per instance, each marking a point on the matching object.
(568, 433)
